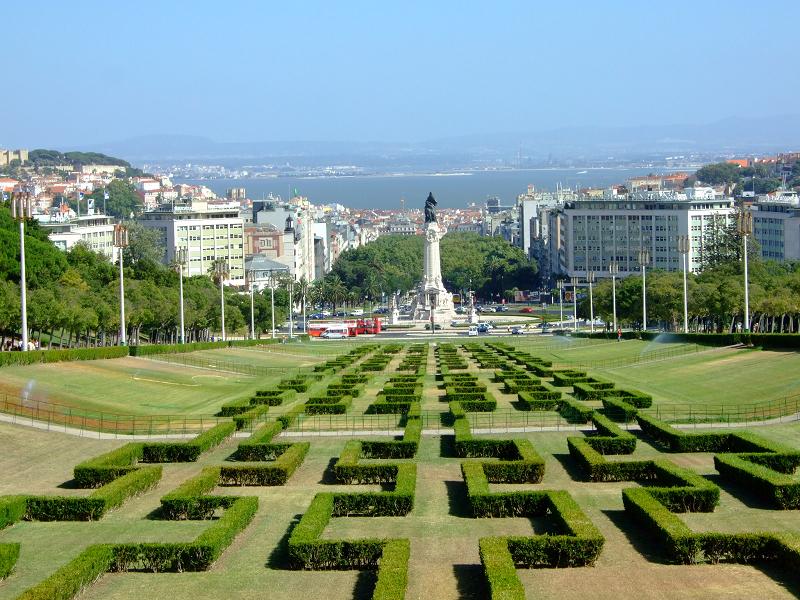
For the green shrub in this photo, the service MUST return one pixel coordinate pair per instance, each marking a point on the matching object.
(161, 452)
(247, 418)
(575, 411)
(9, 553)
(499, 569)
(782, 490)
(338, 408)
(107, 467)
(52, 356)
(12, 509)
(393, 571)
(275, 473)
(70, 579)
(539, 400)
(619, 410)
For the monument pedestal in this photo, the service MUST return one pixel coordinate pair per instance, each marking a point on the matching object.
(432, 297)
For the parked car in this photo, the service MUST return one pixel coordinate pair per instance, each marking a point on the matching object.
(357, 312)
(517, 330)
(333, 335)
(501, 308)
(488, 309)
(316, 316)
(381, 310)
(472, 331)
(436, 326)
(526, 309)
(484, 327)
(326, 313)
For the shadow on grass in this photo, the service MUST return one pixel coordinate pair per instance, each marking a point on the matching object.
(365, 585)
(457, 500)
(279, 557)
(70, 484)
(636, 536)
(789, 580)
(471, 582)
(571, 467)
(447, 446)
(741, 492)
(328, 478)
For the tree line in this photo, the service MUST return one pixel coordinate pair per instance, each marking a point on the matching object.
(73, 297)
(487, 265)
(715, 299)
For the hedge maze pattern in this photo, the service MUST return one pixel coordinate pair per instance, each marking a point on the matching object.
(463, 381)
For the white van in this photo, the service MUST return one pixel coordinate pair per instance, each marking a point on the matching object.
(472, 331)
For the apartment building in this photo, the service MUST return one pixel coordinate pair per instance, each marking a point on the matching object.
(776, 225)
(95, 231)
(595, 233)
(208, 230)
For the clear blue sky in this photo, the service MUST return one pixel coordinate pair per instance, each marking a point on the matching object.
(88, 72)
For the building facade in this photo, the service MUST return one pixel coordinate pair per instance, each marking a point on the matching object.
(776, 225)
(595, 233)
(96, 232)
(208, 231)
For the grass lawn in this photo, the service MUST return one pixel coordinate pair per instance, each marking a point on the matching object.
(144, 386)
(444, 559)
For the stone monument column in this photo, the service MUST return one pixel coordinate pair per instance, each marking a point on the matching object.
(432, 297)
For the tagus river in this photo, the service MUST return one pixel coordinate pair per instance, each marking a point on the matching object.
(451, 190)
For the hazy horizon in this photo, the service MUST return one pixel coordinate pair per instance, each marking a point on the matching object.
(92, 73)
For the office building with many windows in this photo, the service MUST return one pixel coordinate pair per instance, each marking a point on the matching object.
(776, 225)
(208, 230)
(615, 228)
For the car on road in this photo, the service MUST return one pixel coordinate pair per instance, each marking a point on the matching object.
(316, 316)
(326, 313)
(472, 331)
(437, 326)
(526, 309)
(501, 308)
(381, 310)
(488, 309)
(357, 312)
(484, 327)
(517, 330)
(333, 335)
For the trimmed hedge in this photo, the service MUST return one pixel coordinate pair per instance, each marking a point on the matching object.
(780, 488)
(500, 570)
(161, 452)
(275, 473)
(619, 410)
(70, 579)
(575, 411)
(52, 356)
(339, 407)
(539, 399)
(9, 553)
(150, 349)
(715, 441)
(393, 571)
(12, 509)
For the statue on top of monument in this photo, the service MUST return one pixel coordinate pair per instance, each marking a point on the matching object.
(430, 213)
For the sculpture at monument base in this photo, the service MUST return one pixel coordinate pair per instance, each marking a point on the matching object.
(431, 293)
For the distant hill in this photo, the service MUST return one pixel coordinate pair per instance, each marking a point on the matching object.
(48, 158)
(744, 135)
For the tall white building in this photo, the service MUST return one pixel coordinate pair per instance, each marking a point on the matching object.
(296, 217)
(595, 232)
(208, 230)
(95, 231)
(776, 225)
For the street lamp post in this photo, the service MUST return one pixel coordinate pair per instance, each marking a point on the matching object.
(272, 300)
(575, 303)
(121, 242)
(590, 278)
(745, 227)
(222, 272)
(613, 269)
(644, 259)
(20, 210)
(683, 248)
(250, 276)
(291, 306)
(180, 262)
(560, 286)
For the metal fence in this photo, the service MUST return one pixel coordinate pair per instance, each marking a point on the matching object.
(62, 417)
(787, 407)
(626, 361)
(226, 365)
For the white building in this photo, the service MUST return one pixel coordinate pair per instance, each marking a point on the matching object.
(595, 232)
(296, 217)
(95, 231)
(776, 225)
(209, 231)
